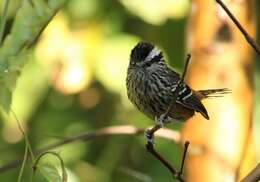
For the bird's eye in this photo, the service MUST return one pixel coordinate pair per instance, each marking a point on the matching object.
(148, 63)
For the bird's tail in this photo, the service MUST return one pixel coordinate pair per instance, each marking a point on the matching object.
(203, 94)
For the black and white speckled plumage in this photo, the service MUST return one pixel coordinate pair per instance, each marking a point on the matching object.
(151, 83)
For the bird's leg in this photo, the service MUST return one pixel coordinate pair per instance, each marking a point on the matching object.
(149, 133)
(159, 123)
(162, 119)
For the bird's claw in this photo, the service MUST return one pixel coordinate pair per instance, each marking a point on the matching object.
(159, 121)
(149, 136)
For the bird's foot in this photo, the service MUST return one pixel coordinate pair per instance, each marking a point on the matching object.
(159, 123)
(149, 136)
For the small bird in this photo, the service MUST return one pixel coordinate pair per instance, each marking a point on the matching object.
(151, 85)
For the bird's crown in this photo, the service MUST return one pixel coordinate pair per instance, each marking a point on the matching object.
(145, 51)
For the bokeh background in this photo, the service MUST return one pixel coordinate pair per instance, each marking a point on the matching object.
(74, 82)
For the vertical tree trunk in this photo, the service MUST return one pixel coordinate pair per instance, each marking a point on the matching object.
(222, 149)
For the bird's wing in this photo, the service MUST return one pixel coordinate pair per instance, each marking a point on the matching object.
(173, 76)
(188, 98)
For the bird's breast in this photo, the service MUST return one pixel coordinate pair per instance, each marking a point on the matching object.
(147, 91)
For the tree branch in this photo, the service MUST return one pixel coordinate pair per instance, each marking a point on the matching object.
(176, 174)
(101, 133)
(253, 176)
(249, 39)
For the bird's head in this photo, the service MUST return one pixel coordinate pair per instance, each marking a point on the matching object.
(145, 54)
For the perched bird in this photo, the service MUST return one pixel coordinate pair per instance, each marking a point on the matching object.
(151, 85)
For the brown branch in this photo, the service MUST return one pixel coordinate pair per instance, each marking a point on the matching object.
(249, 39)
(186, 145)
(101, 133)
(176, 174)
(185, 67)
(150, 148)
(253, 176)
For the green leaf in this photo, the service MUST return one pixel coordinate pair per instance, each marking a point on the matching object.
(5, 98)
(3, 19)
(50, 172)
(30, 21)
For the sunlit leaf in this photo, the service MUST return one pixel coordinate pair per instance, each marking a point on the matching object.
(29, 22)
(5, 97)
(69, 54)
(31, 88)
(83, 9)
(157, 12)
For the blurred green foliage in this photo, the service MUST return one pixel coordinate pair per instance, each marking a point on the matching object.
(74, 81)
(30, 20)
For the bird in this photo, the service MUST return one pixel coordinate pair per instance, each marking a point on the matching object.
(151, 85)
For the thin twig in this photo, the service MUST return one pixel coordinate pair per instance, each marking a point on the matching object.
(150, 148)
(21, 129)
(185, 67)
(176, 174)
(28, 148)
(253, 176)
(186, 145)
(249, 39)
(101, 133)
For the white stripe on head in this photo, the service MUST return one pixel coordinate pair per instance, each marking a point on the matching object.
(154, 52)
